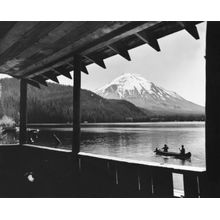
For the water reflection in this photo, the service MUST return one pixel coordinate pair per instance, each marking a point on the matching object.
(129, 141)
(139, 142)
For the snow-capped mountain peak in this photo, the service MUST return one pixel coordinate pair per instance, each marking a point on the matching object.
(127, 83)
(130, 84)
(143, 93)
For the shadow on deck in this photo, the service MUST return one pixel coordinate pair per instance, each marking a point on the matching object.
(31, 171)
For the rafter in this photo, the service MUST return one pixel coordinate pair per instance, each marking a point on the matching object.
(96, 60)
(51, 76)
(65, 73)
(190, 28)
(40, 80)
(121, 51)
(32, 83)
(150, 40)
(82, 67)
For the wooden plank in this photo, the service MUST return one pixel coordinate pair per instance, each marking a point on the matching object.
(5, 28)
(50, 75)
(85, 32)
(146, 183)
(190, 28)
(166, 166)
(121, 51)
(63, 71)
(32, 83)
(96, 60)
(15, 33)
(67, 74)
(49, 44)
(40, 79)
(128, 185)
(212, 101)
(76, 107)
(23, 112)
(76, 121)
(150, 40)
(34, 34)
(203, 186)
(162, 183)
(116, 35)
(208, 188)
(83, 68)
(191, 187)
(79, 47)
(96, 178)
(92, 42)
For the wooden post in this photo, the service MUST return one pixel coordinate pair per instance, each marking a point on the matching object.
(23, 112)
(76, 126)
(191, 187)
(213, 100)
(76, 111)
(76, 106)
(162, 183)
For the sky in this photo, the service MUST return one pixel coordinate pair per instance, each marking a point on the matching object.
(179, 66)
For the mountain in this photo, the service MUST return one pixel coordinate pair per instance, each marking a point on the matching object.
(53, 104)
(149, 96)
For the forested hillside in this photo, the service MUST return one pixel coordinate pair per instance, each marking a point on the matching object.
(53, 104)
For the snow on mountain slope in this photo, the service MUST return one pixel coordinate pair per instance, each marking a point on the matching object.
(146, 94)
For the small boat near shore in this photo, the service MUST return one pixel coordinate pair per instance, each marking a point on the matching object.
(173, 154)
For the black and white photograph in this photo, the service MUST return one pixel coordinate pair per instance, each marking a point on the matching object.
(134, 128)
(109, 109)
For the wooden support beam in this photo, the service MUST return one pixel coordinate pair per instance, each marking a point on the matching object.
(96, 60)
(70, 65)
(40, 79)
(193, 31)
(32, 83)
(190, 28)
(50, 75)
(23, 112)
(82, 67)
(65, 73)
(150, 40)
(121, 51)
(162, 183)
(76, 106)
(114, 36)
(191, 187)
(213, 101)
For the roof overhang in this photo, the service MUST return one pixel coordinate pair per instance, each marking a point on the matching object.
(41, 50)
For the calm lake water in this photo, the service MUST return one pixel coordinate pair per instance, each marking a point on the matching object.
(134, 140)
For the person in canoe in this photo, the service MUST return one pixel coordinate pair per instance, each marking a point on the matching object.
(165, 148)
(182, 150)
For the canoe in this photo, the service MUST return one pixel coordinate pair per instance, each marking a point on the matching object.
(174, 154)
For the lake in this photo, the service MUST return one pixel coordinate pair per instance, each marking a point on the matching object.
(134, 140)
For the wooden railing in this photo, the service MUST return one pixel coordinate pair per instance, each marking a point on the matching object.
(35, 171)
(103, 176)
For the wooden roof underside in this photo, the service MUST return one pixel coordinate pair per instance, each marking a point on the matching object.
(41, 50)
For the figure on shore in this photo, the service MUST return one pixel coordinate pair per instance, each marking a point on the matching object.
(182, 150)
(165, 148)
